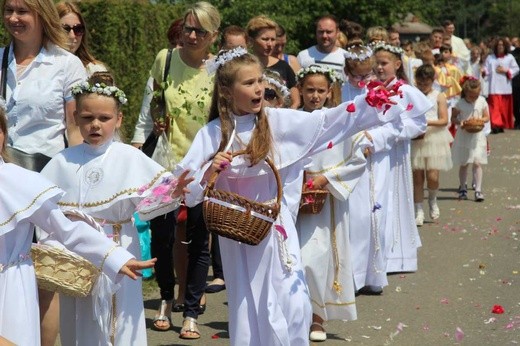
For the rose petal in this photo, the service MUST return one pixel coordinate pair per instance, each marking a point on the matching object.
(309, 199)
(497, 309)
(310, 183)
(282, 231)
(459, 334)
(351, 108)
(409, 107)
(329, 146)
(224, 164)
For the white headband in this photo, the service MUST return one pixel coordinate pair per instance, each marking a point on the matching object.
(223, 57)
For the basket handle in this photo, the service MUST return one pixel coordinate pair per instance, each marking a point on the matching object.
(213, 178)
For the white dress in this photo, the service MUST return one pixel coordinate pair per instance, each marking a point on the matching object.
(399, 233)
(470, 147)
(26, 200)
(324, 237)
(267, 294)
(104, 182)
(433, 151)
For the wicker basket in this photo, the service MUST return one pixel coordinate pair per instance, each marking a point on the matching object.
(62, 271)
(317, 197)
(473, 125)
(235, 217)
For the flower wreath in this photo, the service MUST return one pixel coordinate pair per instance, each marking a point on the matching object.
(388, 47)
(364, 53)
(101, 89)
(223, 57)
(283, 89)
(318, 69)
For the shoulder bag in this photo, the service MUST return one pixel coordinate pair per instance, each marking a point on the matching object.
(151, 141)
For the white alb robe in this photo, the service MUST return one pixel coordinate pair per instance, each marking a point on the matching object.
(269, 304)
(400, 236)
(103, 182)
(26, 200)
(324, 237)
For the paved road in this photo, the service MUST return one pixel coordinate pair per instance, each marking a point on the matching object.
(469, 262)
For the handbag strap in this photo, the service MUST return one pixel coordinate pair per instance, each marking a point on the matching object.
(3, 81)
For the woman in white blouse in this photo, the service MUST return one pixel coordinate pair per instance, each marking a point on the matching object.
(39, 76)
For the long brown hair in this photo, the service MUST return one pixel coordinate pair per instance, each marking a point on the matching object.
(3, 129)
(259, 147)
(83, 52)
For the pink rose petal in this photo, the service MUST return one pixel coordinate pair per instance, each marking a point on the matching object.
(329, 146)
(459, 334)
(282, 231)
(351, 108)
(310, 183)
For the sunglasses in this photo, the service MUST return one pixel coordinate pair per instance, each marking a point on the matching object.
(79, 29)
(269, 94)
(359, 78)
(200, 33)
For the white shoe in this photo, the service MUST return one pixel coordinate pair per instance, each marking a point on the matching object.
(419, 217)
(318, 335)
(435, 213)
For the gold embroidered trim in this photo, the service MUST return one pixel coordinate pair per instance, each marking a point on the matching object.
(108, 200)
(332, 303)
(28, 207)
(106, 256)
(342, 163)
(336, 286)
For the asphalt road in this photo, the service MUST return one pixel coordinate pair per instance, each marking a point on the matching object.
(469, 262)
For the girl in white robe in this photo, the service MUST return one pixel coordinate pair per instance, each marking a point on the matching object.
(400, 236)
(368, 264)
(28, 200)
(324, 237)
(267, 294)
(103, 179)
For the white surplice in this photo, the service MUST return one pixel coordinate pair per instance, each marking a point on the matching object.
(324, 237)
(400, 236)
(26, 200)
(104, 182)
(268, 302)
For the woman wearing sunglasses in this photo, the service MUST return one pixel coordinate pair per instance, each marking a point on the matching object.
(39, 74)
(74, 25)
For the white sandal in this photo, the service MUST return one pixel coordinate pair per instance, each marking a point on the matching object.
(318, 335)
(162, 317)
(190, 329)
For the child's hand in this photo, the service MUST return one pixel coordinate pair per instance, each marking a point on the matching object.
(182, 182)
(131, 267)
(221, 161)
(501, 69)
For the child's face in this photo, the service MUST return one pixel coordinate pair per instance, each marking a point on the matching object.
(361, 74)
(387, 65)
(314, 91)
(98, 118)
(471, 95)
(436, 39)
(446, 55)
(424, 84)
(248, 90)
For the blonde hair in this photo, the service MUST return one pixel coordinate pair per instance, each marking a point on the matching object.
(52, 30)
(260, 145)
(259, 23)
(83, 52)
(377, 33)
(207, 15)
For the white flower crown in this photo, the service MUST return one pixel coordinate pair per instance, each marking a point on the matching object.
(283, 89)
(380, 45)
(364, 53)
(101, 89)
(223, 57)
(313, 69)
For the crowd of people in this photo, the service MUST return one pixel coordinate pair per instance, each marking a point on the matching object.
(352, 128)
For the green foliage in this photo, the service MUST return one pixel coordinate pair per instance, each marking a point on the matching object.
(123, 36)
